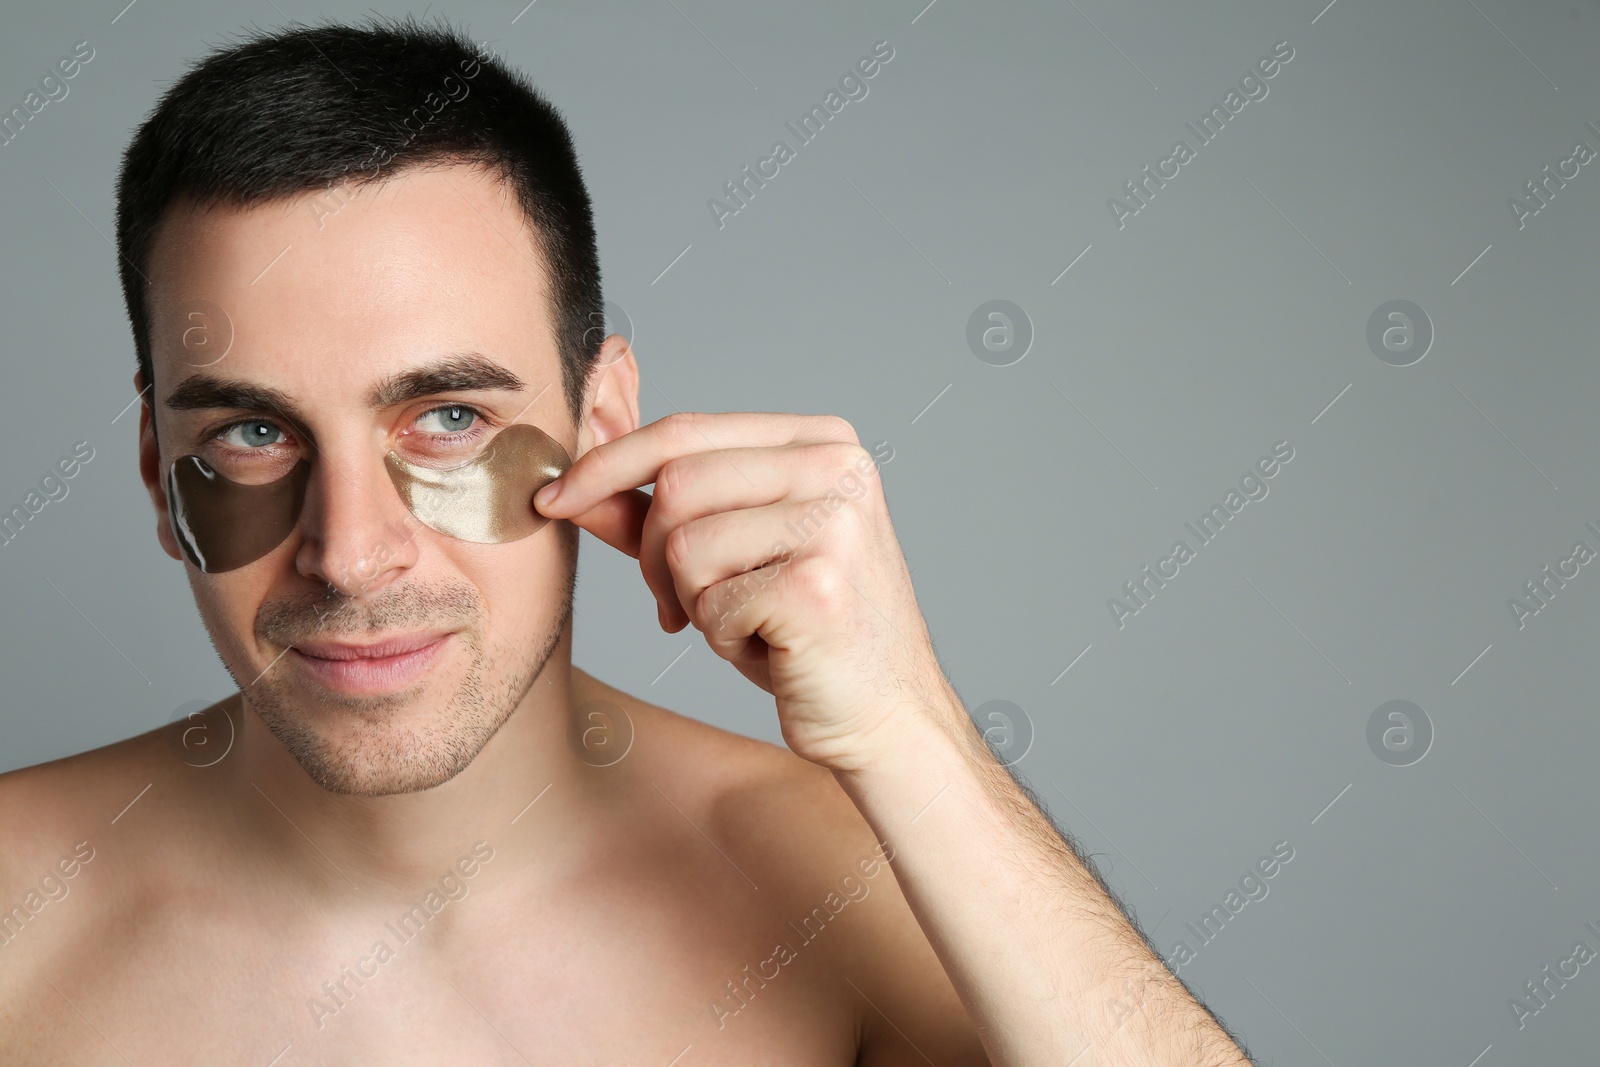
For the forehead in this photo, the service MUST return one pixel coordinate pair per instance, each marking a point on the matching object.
(326, 292)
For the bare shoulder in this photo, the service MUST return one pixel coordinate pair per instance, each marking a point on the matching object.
(60, 841)
(59, 802)
(781, 813)
(85, 804)
(826, 875)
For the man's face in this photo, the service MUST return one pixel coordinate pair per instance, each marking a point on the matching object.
(413, 316)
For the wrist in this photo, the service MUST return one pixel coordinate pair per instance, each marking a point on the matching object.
(914, 734)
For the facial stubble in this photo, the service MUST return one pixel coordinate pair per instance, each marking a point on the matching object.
(371, 753)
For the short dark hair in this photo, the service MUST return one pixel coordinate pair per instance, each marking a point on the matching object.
(308, 108)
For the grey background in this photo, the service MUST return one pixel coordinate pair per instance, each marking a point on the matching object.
(1232, 711)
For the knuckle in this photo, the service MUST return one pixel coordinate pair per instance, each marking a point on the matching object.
(678, 546)
(681, 426)
(845, 455)
(669, 481)
(716, 613)
(818, 581)
(811, 518)
(672, 490)
(724, 604)
(844, 521)
(838, 428)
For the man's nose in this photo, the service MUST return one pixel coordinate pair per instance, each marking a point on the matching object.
(357, 534)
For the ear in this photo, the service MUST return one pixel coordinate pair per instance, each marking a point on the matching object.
(150, 471)
(612, 404)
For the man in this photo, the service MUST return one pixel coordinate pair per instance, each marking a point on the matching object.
(361, 271)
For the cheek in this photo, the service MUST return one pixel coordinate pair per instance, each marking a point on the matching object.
(525, 585)
(228, 604)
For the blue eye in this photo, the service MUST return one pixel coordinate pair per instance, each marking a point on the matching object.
(252, 433)
(452, 419)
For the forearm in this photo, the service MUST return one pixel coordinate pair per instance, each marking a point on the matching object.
(1044, 960)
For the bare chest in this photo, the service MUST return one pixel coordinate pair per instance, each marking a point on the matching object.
(608, 978)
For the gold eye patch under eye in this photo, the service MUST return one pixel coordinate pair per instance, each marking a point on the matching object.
(489, 500)
(223, 524)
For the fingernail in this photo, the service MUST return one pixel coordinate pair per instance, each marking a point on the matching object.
(548, 493)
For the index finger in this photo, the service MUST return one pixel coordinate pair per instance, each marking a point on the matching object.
(636, 458)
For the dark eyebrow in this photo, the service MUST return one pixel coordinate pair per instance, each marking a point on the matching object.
(201, 391)
(460, 372)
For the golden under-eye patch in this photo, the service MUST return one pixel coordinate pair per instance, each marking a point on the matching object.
(223, 524)
(488, 500)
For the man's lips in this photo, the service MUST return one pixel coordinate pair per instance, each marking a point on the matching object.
(373, 667)
(390, 646)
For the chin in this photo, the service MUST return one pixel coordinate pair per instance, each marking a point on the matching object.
(404, 742)
(410, 739)
(400, 753)
(401, 742)
(380, 770)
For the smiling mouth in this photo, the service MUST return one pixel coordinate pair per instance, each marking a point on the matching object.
(372, 668)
